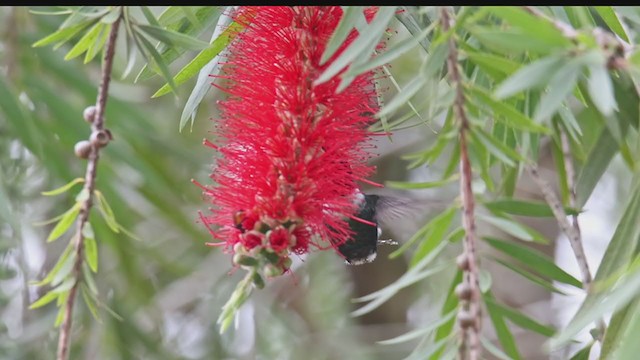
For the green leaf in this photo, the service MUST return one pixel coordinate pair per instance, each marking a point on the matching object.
(63, 225)
(601, 90)
(597, 304)
(508, 114)
(362, 46)
(44, 300)
(173, 38)
(61, 309)
(535, 27)
(88, 300)
(391, 54)
(89, 38)
(560, 86)
(494, 63)
(495, 147)
(63, 188)
(519, 318)
(450, 303)
(152, 56)
(106, 212)
(149, 16)
(535, 260)
(528, 77)
(62, 34)
(438, 229)
(88, 279)
(529, 276)
(629, 347)
(580, 16)
(407, 19)
(613, 22)
(503, 332)
(514, 228)
(419, 332)
(64, 258)
(174, 19)
(524, 208)
(204, 57)
(623, 244)
(97, 45)
(583, 354)
(618, 329)
(351, 16)
(421, 185)
(510, 41)
(189, 14)
(413, 275)
(202, 83)
(597, 162)
(404, 96)
(112, 16)
(486, 343)
(91, 253)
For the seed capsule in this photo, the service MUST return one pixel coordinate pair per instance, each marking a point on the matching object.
(99, 138)
(465, 319)
(463, 262)
(89, 113)
(463, 291)
(82, 149)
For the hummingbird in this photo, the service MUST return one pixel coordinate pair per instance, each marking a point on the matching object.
(362, 247)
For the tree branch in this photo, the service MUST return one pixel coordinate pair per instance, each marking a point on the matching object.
(469, 317)
(97, 126)
(572, 231)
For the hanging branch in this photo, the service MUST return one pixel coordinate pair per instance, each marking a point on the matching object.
(571, 230)
(99, 138)
(469, 316)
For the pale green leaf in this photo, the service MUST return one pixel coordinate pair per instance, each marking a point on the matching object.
(514, 228)
(65, 222)
(87, 40)
(204, 57)
(530, 76)
(535, 260)
(350, 17)
(91, 253)
(524, 208)
(173, 38)
(560, 86)
(601, 90)
(613, 22)
(419, 332)
(366, 41)
(64, 188)
(44, 300)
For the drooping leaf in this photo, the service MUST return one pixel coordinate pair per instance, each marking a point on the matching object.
(65, 223)
(530, 76)
(204, 57)
(367, 39)
(350, 17)
(613, 22)
(63, 188)
(524, 208)
(533, 259)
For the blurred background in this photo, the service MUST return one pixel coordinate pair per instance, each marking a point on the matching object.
(164, 284)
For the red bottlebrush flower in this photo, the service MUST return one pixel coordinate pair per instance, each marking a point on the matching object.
(291, 151)
(279, 239)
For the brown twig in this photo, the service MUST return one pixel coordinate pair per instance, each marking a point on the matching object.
(89, 187)
(469, 317)
(565, 226)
